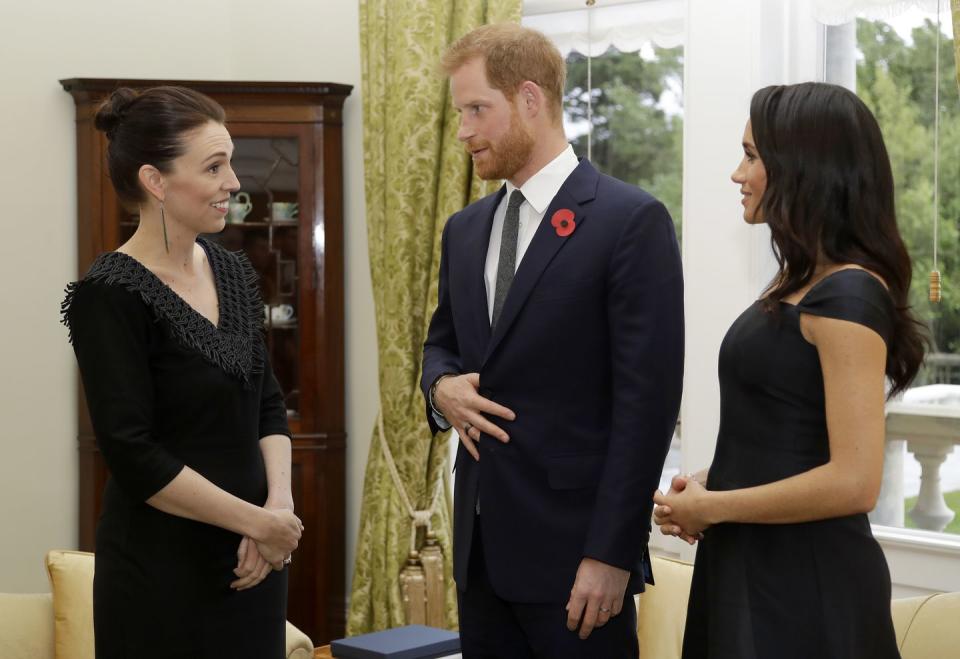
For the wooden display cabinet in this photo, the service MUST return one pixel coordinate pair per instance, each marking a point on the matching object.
(288, 150)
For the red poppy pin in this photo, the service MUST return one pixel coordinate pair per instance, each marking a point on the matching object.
(563, 222)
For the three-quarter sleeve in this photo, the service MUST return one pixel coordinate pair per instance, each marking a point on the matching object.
(273, 409)
(110, 330)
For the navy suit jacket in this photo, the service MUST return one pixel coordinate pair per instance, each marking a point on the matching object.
(588, 352)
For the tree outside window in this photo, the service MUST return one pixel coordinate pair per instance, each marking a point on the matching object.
(637, 118)
(896, 79)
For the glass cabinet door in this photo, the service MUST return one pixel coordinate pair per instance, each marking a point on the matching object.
(263, 221)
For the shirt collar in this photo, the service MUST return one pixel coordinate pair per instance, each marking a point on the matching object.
(542, 187)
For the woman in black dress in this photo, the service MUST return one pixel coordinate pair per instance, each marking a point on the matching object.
(197, 519)
(787, 566)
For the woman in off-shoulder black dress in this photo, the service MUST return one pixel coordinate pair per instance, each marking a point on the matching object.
(197, 520)
(787, 566)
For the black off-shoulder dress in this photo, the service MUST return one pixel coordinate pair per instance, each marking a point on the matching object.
(166, 389)
(816, 590)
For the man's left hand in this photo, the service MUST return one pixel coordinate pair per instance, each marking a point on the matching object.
(596, 596)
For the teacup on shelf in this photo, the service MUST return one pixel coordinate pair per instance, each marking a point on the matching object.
(278, 314)
(283, 211)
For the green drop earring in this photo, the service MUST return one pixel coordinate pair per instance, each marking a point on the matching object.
(163, 223)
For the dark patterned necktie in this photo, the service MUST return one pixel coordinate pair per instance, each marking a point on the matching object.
(508, 254)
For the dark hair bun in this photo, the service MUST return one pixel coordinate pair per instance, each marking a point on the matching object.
(149, 126)
(111, 111)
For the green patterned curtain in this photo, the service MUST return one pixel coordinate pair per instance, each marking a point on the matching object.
(417, 175)
(955, 10)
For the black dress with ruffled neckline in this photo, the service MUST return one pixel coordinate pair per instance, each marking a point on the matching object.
(168, 389)
(232, 344)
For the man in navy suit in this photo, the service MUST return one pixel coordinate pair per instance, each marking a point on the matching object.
(556, 351)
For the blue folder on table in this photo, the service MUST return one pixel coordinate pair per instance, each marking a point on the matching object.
(410, 642)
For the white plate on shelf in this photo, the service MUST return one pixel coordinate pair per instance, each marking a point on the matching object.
(282, 323)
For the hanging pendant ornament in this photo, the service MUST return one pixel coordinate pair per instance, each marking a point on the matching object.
(935, 294)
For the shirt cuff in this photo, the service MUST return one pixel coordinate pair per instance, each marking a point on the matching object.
(438, 418)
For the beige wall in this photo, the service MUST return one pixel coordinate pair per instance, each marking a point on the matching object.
(43, 41)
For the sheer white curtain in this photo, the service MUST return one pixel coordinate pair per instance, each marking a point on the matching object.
(627, 26)
(835, 12)
(630, 24)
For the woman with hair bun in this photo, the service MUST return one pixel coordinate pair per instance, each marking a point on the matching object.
(787, 565)
(197, 522)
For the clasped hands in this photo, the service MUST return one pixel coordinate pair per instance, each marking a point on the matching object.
(680, 512)
(256, 557)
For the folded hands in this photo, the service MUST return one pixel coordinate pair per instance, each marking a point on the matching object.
(256, 557)
(681, 511)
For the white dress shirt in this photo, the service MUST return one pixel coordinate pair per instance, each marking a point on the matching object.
(538, 192)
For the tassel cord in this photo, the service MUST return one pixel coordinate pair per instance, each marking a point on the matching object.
(417, 517)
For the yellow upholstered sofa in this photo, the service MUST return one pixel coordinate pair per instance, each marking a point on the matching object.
(59, 625)
(927, 627)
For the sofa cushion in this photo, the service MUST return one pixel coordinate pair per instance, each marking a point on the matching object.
(298, 643)
(662, 610)
(904, 610)
(71, 579)
(26, 626)
(931, 633)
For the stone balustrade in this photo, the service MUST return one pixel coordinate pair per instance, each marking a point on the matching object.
(926, 424)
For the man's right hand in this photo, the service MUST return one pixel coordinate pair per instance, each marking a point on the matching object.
(457, 398)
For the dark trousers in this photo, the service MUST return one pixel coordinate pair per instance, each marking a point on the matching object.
(493, 628)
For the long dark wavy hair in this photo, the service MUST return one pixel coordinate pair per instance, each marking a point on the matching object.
(830, 199)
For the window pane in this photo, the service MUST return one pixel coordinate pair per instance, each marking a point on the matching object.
(263, 222)
(896, 79)
(637, 118)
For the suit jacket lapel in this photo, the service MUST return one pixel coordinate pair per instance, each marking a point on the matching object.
(579, 188)
(475, 258)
